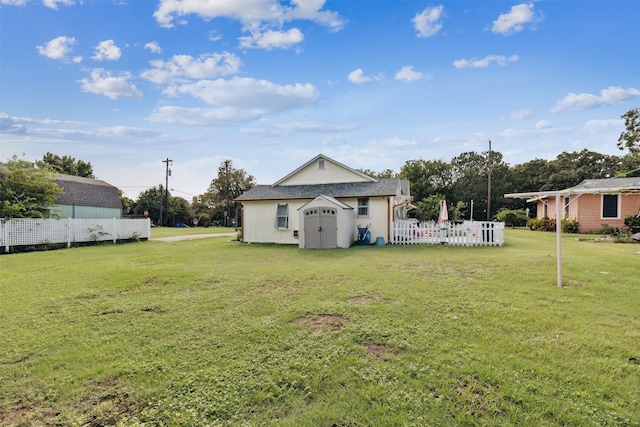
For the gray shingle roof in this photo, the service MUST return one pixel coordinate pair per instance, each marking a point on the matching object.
(87, 192)
(384, 187)
(609, 183)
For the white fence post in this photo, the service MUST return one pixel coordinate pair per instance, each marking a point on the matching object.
(30, 231)
(469, 233)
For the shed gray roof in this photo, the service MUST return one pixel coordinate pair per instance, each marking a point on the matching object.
(87, 192)
(384, 187)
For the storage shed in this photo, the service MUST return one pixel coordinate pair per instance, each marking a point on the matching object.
(327, 223)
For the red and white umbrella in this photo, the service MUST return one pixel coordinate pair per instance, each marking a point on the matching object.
(444, 213)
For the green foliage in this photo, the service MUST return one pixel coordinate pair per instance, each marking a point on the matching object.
(26, 192)
(630, 138)
(428, 208)
(387, 173)
(570, 226)
(427, 178)
(549, 224)
(66, 165)
(512, 218)
(156, 334)
(229, 184)
(632, 223)
(542, 224)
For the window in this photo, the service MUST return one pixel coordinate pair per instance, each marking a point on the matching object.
(282, 216)
(610, 206)
(363, 206)
(567, 201)
(321, 164)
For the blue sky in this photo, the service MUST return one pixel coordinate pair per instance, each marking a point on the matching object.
(270, 84)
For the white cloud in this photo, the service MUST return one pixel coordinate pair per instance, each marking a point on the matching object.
(484, 62)
(287, 129)
(53, 4)
(262, 19)
(13, 2)
(107, 50)
(104, 83)
(583, 101)
(234, 101)
(407, 73)
(250, 93)
(222, 116)
(270, 39)
(57, 48)
(543, 124)
(153, 47)
(182, 67)
(357, 76)
(427, 23)
(522, 114)
(516, 19)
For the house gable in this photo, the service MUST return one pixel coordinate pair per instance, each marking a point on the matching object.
(323, 170)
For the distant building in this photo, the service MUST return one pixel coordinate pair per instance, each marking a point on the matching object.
(322, 204)
(594, 203)
(86, 198)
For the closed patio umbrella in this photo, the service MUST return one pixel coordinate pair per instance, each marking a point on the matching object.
(444, 214)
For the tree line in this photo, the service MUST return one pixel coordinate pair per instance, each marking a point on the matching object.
(27, 190)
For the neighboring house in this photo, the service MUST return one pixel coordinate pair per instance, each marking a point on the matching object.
(86, 198)
(321, 205)
(593, 203)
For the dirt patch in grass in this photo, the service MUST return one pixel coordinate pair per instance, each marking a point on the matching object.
(323, 322)
(365, 298)
(378, 352)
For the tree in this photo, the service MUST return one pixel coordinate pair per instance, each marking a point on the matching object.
(26, 192)
(150, 200)
(630, 138)
(470, 174)
(229, 184)
(128, 205)
(387, 173)
(427, 177)
(66, 165)
(570, 169)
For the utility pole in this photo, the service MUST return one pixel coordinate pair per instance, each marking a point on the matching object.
(489, 183)
(166, 189)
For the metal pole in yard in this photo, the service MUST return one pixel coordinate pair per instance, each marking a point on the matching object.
(559, 239)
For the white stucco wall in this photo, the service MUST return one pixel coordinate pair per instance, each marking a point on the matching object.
(259, 218)
(259, 222)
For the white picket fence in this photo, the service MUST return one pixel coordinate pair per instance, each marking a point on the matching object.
(468, 233)
(36, 231)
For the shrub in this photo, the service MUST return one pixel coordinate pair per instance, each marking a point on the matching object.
(609, 230)
(512, 218)
(542, 224)
(633, 223)
(549, 224)
(570, 226)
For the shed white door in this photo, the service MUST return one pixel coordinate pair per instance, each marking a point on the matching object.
(321, 228)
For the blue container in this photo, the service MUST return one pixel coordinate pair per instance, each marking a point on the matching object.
(364, 236)
(379, 241)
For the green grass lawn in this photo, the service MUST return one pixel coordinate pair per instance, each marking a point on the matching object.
(212, 332)
(157, 232)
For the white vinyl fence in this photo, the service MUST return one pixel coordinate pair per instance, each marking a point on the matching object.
(40, 231)
(468, 233)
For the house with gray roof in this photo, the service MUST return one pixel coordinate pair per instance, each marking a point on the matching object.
(86, 198)
(323, 204)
